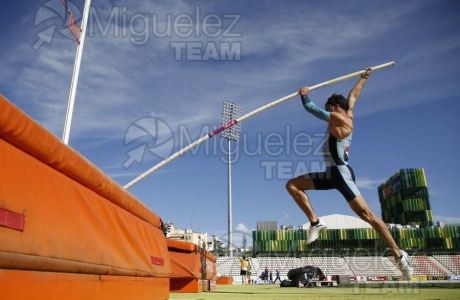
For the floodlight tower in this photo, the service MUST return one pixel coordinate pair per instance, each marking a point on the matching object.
(231, 111)
(78, 31)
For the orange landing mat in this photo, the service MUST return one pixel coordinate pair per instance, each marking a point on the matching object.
(193, 269)
(58, 286)
(67, 230)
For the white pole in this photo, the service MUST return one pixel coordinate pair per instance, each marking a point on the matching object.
(246, 116)
(342, 78)
(167, 160)
(76, 72)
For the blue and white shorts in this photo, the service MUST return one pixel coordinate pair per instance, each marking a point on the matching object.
(341, 178)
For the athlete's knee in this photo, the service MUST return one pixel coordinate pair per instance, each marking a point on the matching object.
(366, 215)
(299, 184)
(290, 186)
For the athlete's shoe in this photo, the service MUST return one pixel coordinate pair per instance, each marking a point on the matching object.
(404, 266)
(315, 231)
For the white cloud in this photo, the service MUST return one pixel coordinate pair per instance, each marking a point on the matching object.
(368, 183)
(242, 228)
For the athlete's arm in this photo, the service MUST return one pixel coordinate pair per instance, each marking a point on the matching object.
(356, 91)
(339, 124)
(311, 107)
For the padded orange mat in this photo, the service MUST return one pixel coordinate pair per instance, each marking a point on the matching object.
(58, 286)
(68, 216)
(191, 261)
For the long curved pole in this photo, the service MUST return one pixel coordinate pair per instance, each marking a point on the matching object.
(247, 116)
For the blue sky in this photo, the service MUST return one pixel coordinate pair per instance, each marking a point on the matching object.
(154, 76)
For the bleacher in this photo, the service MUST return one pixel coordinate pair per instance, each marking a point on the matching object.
(437, 265)
(228, 266)
(282, 264)
(372, 266)
(422, 265)
(451, 262)
(329, 265)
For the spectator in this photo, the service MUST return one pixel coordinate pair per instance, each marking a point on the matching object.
(243, 269)
(277, 276)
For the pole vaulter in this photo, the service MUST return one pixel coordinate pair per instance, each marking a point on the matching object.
(247, 116)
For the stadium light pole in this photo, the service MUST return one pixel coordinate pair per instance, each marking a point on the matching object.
(231, 111)
(79, 34)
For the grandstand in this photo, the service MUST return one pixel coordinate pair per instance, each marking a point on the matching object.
(282, 264)
(372, 266)
(350, 247)
(451, 262)
(438, 266)
(429, 266)
(329, 265)
(342, 240)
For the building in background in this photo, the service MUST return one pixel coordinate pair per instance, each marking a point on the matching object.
(404, 199)
(188, 235)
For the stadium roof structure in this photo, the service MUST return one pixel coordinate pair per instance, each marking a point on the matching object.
(337, 221)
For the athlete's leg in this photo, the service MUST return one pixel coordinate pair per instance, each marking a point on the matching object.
(359, 205)
(361, 208)
(296, 188)
(347, 186)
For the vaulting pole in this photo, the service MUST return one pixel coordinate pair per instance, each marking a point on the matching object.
(246, 116)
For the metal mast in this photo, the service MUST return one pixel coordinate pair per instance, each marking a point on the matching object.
(79, 34)
(230, 112)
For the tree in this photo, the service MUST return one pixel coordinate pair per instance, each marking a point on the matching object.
(216, 245)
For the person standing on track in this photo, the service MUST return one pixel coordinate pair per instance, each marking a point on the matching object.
(243, 269)
(338, 113)
(277, 273)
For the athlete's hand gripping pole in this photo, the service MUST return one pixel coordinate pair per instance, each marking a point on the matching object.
(247, 116)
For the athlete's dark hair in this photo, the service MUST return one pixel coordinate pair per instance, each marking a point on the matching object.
(337, 99)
